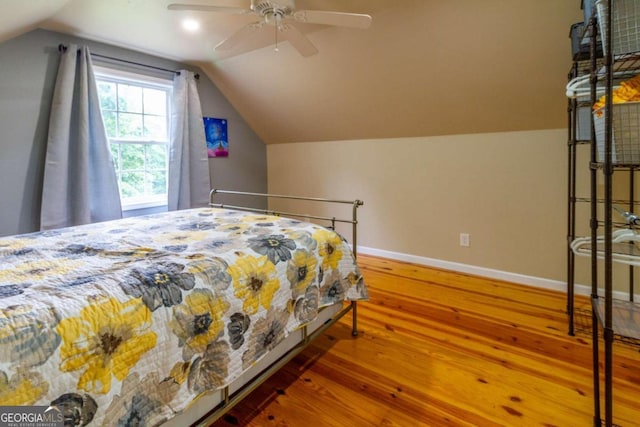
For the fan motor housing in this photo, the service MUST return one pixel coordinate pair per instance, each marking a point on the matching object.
(269, 8)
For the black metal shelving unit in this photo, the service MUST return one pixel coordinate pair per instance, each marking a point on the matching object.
(611, 318)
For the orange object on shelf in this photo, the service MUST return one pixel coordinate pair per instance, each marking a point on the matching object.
(629, 91)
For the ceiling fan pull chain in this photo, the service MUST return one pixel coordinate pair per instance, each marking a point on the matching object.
(276, 29)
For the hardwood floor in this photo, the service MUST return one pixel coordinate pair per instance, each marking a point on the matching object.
(441, 348)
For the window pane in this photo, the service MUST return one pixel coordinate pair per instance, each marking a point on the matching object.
(134, 113)
(107, 95)
(155, 102)
(129, 125)
(132, 184)
(156, 157)
(155, 127)
(109, 119)
(130, 98)
(157, 182)
(132, 156)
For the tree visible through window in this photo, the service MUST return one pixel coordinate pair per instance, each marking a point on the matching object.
(136, 117)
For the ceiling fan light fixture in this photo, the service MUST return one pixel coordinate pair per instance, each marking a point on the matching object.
(273, 18)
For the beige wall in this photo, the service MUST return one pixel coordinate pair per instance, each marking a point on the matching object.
(507, 190)
(424, 67)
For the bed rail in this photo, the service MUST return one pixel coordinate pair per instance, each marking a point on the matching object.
(229, 400)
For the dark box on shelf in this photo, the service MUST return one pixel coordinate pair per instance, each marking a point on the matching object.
(579, 43)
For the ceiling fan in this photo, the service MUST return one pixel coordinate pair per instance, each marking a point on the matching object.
(281, 15)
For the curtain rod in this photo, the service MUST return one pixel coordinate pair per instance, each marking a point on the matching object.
(63, 48)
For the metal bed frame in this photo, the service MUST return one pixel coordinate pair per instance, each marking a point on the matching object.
(229, 400)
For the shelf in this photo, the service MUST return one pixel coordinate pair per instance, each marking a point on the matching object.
(625, 316)
(624, 63)
(615, 202)
(627, 63)
(623, 68)
(626, 249)
(617, 166)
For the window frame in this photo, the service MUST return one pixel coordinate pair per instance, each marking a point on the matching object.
(117, 76)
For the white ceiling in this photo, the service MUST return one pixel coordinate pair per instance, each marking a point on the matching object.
(424, 67)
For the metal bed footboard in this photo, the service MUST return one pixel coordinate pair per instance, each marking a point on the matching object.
(333, 220)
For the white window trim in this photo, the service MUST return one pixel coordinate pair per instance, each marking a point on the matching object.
(136, 78)
(141, 80)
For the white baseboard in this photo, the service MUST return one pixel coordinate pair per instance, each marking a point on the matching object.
(507, 276)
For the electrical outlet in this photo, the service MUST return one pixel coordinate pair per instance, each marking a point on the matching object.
(464, 239)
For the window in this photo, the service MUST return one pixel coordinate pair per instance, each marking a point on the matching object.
(136, 112)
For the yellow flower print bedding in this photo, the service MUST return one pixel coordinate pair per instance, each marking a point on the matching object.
(130, 320)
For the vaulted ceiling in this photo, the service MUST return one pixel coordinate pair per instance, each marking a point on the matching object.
(424, 67)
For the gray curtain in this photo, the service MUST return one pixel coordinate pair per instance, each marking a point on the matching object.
(80, 184)
(188, 162)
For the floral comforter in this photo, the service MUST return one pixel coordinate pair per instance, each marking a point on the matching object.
(128, 321)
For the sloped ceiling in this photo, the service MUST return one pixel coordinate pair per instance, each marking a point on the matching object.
(424, 67)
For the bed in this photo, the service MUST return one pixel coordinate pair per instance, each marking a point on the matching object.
(166, 319)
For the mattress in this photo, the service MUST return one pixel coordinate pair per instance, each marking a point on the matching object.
(131, 321)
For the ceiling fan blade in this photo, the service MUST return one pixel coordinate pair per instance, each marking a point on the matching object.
(207, 8)
(298, 40)
(239, 36)
(340, 19)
